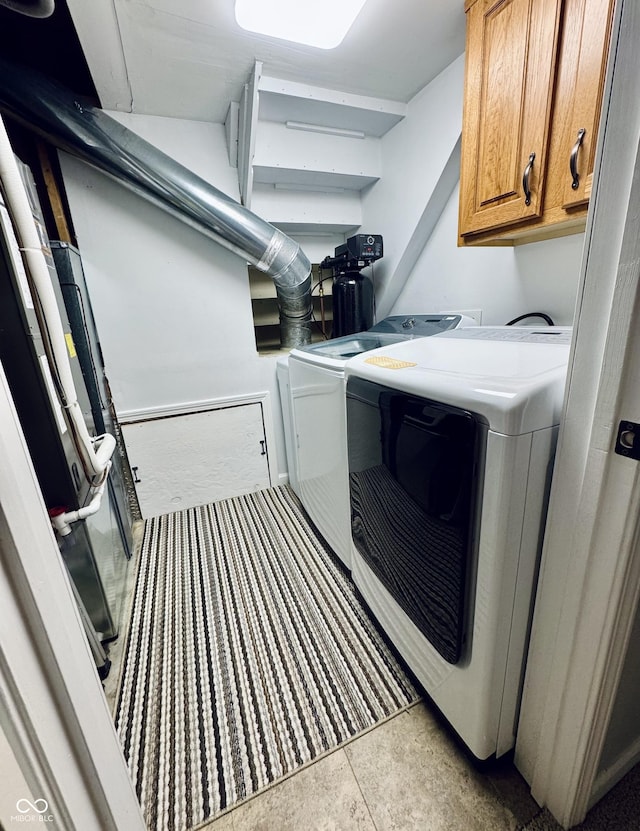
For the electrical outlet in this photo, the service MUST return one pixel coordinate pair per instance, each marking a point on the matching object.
(476, 314)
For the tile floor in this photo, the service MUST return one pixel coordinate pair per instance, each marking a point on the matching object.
(408, 774)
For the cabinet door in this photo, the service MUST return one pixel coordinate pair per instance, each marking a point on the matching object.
(585, 46)
(510, 69)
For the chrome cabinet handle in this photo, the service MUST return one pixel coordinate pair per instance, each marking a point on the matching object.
(525, 180)
(573, 159)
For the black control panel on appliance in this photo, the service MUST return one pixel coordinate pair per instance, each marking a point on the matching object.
(363, 248)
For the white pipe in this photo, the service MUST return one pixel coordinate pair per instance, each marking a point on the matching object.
(61, 522)
(36, 266)
(104, 446)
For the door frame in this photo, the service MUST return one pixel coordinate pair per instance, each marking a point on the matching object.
(589, 584)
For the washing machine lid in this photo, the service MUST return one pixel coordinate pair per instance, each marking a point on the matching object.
(337, 351)
(513, 377)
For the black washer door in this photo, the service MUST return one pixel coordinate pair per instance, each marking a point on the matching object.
(412, 487)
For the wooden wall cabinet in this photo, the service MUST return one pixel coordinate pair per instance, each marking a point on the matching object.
(534, 80)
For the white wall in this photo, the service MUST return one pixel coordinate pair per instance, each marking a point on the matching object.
(503, 282)
(172, 307)
(414, 154)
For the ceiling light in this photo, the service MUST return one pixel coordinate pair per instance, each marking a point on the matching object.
(323, 24)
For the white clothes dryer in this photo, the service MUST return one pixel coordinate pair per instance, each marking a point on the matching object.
(318, 463)
(451, 442)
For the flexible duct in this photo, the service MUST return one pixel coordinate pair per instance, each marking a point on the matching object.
(92, 135)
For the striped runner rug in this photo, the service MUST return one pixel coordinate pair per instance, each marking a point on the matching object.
(248, 655)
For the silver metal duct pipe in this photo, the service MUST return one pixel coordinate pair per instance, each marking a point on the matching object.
(95, 137)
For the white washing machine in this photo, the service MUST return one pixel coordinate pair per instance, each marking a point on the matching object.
(451, 442)
(318, 462)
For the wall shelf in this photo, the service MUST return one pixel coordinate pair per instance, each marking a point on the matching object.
(281, 100)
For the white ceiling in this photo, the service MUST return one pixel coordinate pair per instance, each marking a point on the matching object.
(189, 58)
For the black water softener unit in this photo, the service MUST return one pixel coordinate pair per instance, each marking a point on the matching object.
(353, 300)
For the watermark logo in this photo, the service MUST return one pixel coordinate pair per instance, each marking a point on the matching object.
(36, 811)
(40, 806)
